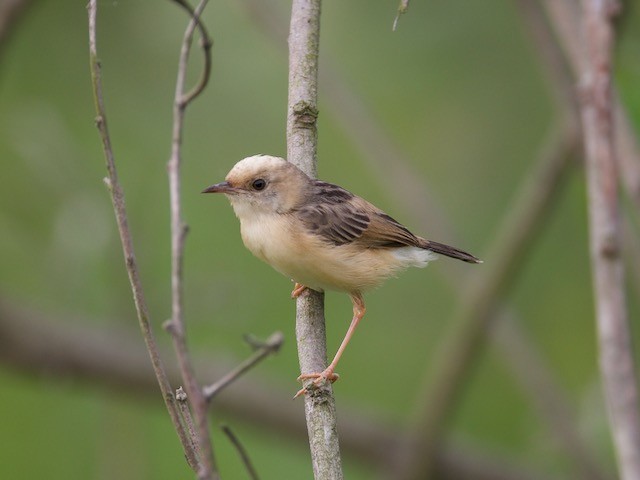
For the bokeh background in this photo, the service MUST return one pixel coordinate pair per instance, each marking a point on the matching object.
(458, 90)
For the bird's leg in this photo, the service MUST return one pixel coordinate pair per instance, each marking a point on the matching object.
(298, 288)
(359, 310)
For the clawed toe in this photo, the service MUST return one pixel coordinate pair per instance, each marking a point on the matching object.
(319, 377)
(297, 290)
(319, 380)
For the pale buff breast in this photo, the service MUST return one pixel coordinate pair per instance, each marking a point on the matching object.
(308, 260)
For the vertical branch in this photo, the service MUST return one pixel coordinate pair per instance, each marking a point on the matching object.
(616, 356)
(117, 199)
(178, 233)
(302, 113)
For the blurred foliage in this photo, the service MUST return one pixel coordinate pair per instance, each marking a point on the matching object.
(458, 87)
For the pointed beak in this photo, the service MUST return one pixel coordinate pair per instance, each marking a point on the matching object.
(222, 187)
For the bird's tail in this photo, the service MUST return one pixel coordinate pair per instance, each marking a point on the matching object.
(450, 251)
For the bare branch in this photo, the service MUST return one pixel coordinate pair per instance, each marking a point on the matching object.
(565, 19)
(616, 350)
(246, 461)
(206, 44)
(403, 7)
(117, 199)
(179, 231)
(187, 420)
(302, 136)
(271, 345)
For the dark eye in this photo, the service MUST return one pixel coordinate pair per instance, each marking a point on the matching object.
(259, 184)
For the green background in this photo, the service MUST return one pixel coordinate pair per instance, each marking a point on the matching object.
(459, 90)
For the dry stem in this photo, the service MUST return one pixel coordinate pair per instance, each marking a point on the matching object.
(616, 351)
(302, 112)
(117, 198)
(271, 345)
(179, 230)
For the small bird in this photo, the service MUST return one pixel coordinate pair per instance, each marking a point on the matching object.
(321, 236)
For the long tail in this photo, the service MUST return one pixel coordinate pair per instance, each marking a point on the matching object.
(450, 251)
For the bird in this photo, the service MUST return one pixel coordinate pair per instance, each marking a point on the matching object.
(322, 236)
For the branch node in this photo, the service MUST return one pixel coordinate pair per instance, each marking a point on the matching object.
(170, 327)
(305, 115)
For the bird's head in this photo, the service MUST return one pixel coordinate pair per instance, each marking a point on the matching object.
(263, 184)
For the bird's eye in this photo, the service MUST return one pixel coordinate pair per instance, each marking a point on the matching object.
(259, 184)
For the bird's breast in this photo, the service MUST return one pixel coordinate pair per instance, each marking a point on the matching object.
(305, 258)
(265, 236)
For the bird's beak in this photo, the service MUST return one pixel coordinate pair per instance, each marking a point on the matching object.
(222, 187)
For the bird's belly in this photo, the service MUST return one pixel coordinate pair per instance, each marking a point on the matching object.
(316, 264)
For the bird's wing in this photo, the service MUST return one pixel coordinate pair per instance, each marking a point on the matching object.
(340, 217)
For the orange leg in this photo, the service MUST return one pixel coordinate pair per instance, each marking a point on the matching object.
(359, 310)
(298, 288)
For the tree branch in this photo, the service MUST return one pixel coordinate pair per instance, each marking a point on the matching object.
(271, 345)
(117, 199)
(616, 355)
(403, 7)
(565, 19)
(206, 44)
(179, 230)
(302, 136)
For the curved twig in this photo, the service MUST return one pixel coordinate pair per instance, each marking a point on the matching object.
(117, 198)
(179, 231)
(207, 45)
(271, 345)
(614, 336)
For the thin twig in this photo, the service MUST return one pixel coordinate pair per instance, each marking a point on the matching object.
(271, 345)
(179, 231)
(403, 7)
(187, 419)
(302, 136)
(244, 456)
(117, 199)
(614, 336)
(206, 44)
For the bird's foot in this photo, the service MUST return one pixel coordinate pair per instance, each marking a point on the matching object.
(297, 290)
(319, 379)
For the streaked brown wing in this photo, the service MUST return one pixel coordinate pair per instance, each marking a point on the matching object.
(340, 217)
(385, 232)
(337, 223)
